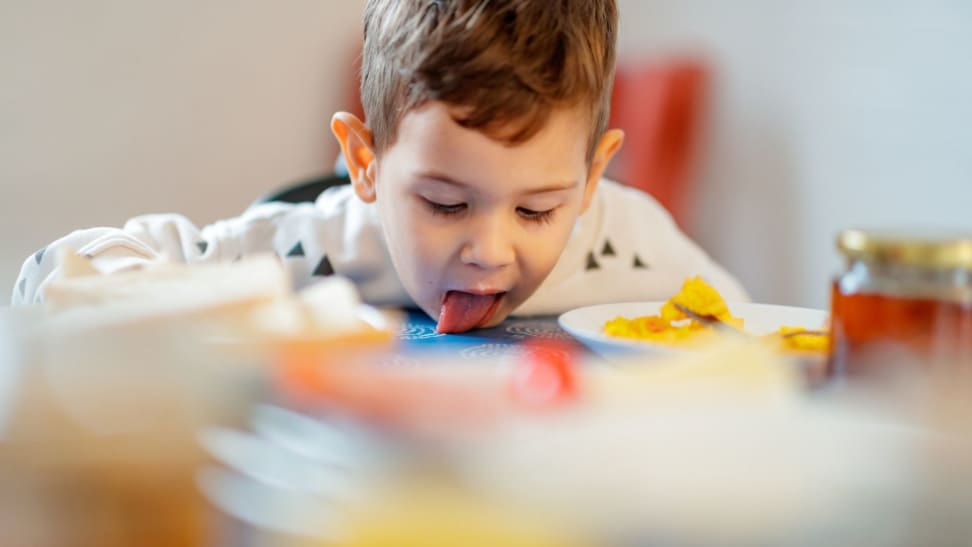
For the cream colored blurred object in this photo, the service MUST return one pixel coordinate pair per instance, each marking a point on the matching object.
(328, 308)
(165, 288)
(735, 371)
(247, 303)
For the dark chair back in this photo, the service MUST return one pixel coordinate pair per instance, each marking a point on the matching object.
(304, 191)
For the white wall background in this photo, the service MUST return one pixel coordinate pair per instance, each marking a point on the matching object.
(113, 108)
(825, 115)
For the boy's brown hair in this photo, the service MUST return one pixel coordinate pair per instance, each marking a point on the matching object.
(506, 64)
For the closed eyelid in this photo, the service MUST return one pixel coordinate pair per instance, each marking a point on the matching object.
(443, 209)
(542, 203)
(537, 217)
(438, 185)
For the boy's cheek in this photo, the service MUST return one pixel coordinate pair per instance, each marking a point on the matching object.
(420, 256)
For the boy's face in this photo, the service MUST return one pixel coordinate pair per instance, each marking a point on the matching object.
(474, 225)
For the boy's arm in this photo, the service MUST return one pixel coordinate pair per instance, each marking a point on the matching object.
(142, 240)
(172, 237)
(337, 234)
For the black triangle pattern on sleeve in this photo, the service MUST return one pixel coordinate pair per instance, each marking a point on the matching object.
(591, 263)
(607, 250)
(39, 255)
(202, 245)
(296, 250)
(22, 286)
(638, 264)
(323, 268)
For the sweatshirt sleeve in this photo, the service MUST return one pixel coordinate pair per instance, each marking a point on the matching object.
(334, 235)
(145, 239)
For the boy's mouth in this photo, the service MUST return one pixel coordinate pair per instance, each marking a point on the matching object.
(462, 311)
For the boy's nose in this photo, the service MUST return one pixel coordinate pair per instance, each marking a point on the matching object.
(489, 246)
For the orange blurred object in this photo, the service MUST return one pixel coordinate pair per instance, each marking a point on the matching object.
(659, 105)
(436, 395)
(299, 363)
(354, 380)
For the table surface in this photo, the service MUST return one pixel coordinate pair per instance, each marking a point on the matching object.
(418, 335)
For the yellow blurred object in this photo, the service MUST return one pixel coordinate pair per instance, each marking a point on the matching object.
(428, 513)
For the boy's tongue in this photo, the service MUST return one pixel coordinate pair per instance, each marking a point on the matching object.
(462, 311)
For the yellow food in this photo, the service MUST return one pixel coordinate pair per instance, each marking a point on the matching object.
(673, 327)
(699, 297)
(658, 329)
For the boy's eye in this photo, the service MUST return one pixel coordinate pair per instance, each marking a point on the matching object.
(445, 208)
(535, 216)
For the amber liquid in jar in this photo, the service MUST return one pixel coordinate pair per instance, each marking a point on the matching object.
(904, 299)
(868, 326)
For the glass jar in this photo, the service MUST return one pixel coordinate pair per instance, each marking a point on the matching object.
(904, 299)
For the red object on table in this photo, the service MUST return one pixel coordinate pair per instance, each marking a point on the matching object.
(660, 106)
(546, 376)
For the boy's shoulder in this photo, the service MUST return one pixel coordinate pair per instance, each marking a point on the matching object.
(337, 195)
(617, 206)
(621, 195)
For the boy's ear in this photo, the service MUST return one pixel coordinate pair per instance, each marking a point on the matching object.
(607, 147)
(359, 153)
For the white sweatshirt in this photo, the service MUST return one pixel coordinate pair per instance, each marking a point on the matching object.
(626, 247)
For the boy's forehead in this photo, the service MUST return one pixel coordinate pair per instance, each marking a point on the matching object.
(430, 137)
(574, 119)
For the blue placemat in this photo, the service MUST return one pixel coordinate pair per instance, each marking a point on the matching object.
(418, 336)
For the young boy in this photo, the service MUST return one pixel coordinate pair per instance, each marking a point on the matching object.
(476, 178)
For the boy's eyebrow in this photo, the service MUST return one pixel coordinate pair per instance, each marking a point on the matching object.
(439, 177)
(552, 187)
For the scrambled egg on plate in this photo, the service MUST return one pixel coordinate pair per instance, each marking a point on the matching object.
(673, 326)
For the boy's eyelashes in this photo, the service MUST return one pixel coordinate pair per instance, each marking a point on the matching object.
(445, 209)
(539, 217)
(451, 209)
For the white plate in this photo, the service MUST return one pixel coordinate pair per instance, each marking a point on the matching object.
(587, 324)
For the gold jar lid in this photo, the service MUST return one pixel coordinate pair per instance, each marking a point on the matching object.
(938, 250)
